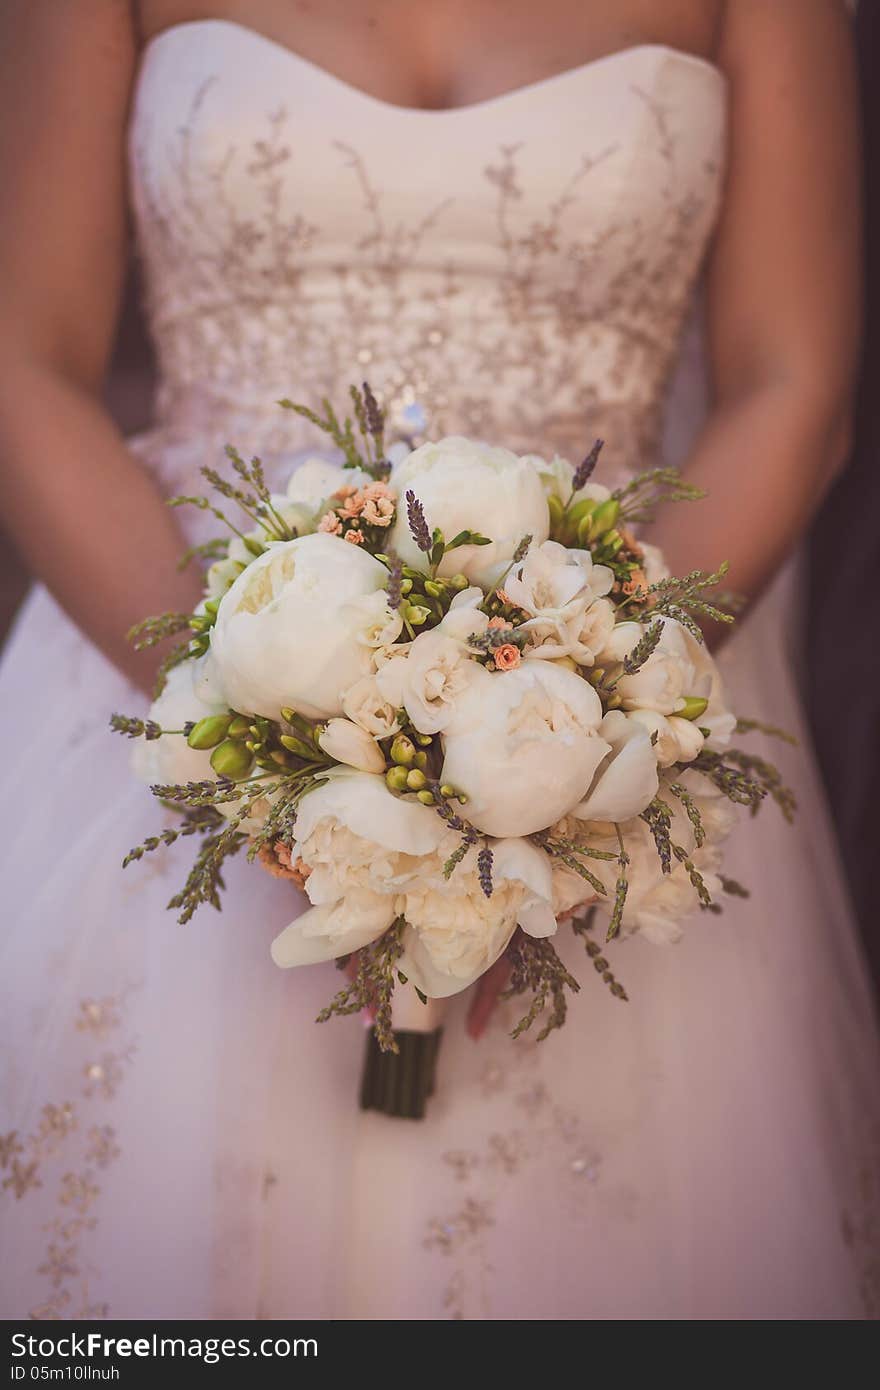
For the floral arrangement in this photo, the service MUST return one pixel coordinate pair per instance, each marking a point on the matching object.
(448, 695)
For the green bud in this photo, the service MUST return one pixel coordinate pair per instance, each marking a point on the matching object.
(406, 586)
(417, 614)
(402, 750)
(420, 760)
(459, 582)
(597, 675)
(447, 790)
(605, 516)
(556, 510)
(239, 727)
(585, 530)
(255, 547)
(297, 747)
(251, 745)
(210, 731)
(434, 589)
(424, 739)
(395, 779)
(415, 779)
(614, 701)
(279, 756)
(288, 714)
(693, 707)
(231, 760)
(425, 797)
(576, 513)
(211, 606)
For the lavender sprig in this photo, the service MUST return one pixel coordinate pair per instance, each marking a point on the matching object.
(485, 860)
(394, 594)
(584, 470)
(415, 515)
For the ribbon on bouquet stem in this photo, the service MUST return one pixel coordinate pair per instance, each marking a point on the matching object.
(400, 1083)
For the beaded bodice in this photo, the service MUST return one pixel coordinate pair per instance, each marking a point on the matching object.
(518, 269)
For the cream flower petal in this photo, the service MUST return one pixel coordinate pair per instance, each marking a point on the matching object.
(334, 929)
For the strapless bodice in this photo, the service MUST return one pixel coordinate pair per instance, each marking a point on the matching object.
(518, 269)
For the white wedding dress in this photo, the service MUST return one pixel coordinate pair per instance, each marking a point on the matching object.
(179, 1138)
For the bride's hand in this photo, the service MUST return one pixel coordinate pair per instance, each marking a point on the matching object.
(487, 991)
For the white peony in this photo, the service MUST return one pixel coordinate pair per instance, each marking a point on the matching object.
(432, 681)
(454, 932)
(290, 631)
(347, 743)
(363, 846)
(222, 574)
(524, 747)
(465, 485)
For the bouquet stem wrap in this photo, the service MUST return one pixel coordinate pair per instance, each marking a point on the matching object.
(400, 1083)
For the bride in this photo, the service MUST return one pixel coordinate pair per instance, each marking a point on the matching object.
(498, 215)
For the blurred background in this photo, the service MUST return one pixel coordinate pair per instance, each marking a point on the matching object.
(847, 737)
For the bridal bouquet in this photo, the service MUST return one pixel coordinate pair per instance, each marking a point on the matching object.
(455, 701)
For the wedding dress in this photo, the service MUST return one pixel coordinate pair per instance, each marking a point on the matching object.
(179, 1137)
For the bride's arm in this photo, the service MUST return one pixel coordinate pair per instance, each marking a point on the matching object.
(86, 518)
(784, 293)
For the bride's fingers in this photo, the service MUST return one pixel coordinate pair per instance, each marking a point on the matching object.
(488, 988)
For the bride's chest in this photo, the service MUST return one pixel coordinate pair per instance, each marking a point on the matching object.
(252, 164)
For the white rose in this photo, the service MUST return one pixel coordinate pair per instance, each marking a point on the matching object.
(626, 781)
(590, 632)
(523, 746)
(454, 932)
(367, 707)
(289, 632)
(552, 582)
(466, 485)
(191, 693)
(432, 681)
(348, 743)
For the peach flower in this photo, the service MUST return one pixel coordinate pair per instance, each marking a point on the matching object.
(354, 536)
(507, 658)
(498, 622)
(330, 523)
(378, 511)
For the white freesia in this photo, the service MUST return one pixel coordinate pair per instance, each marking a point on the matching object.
(552, 582)
(589, 633)
(463, 618)
(192, 692)
(376, 625)
(366, 706)
(347, 743)
(288, 631)
(680, 667)
(626, 780)
(523, 746)
(432, 681)
(675, 740)
(466, 485)
(454, 932)
(557, 478)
